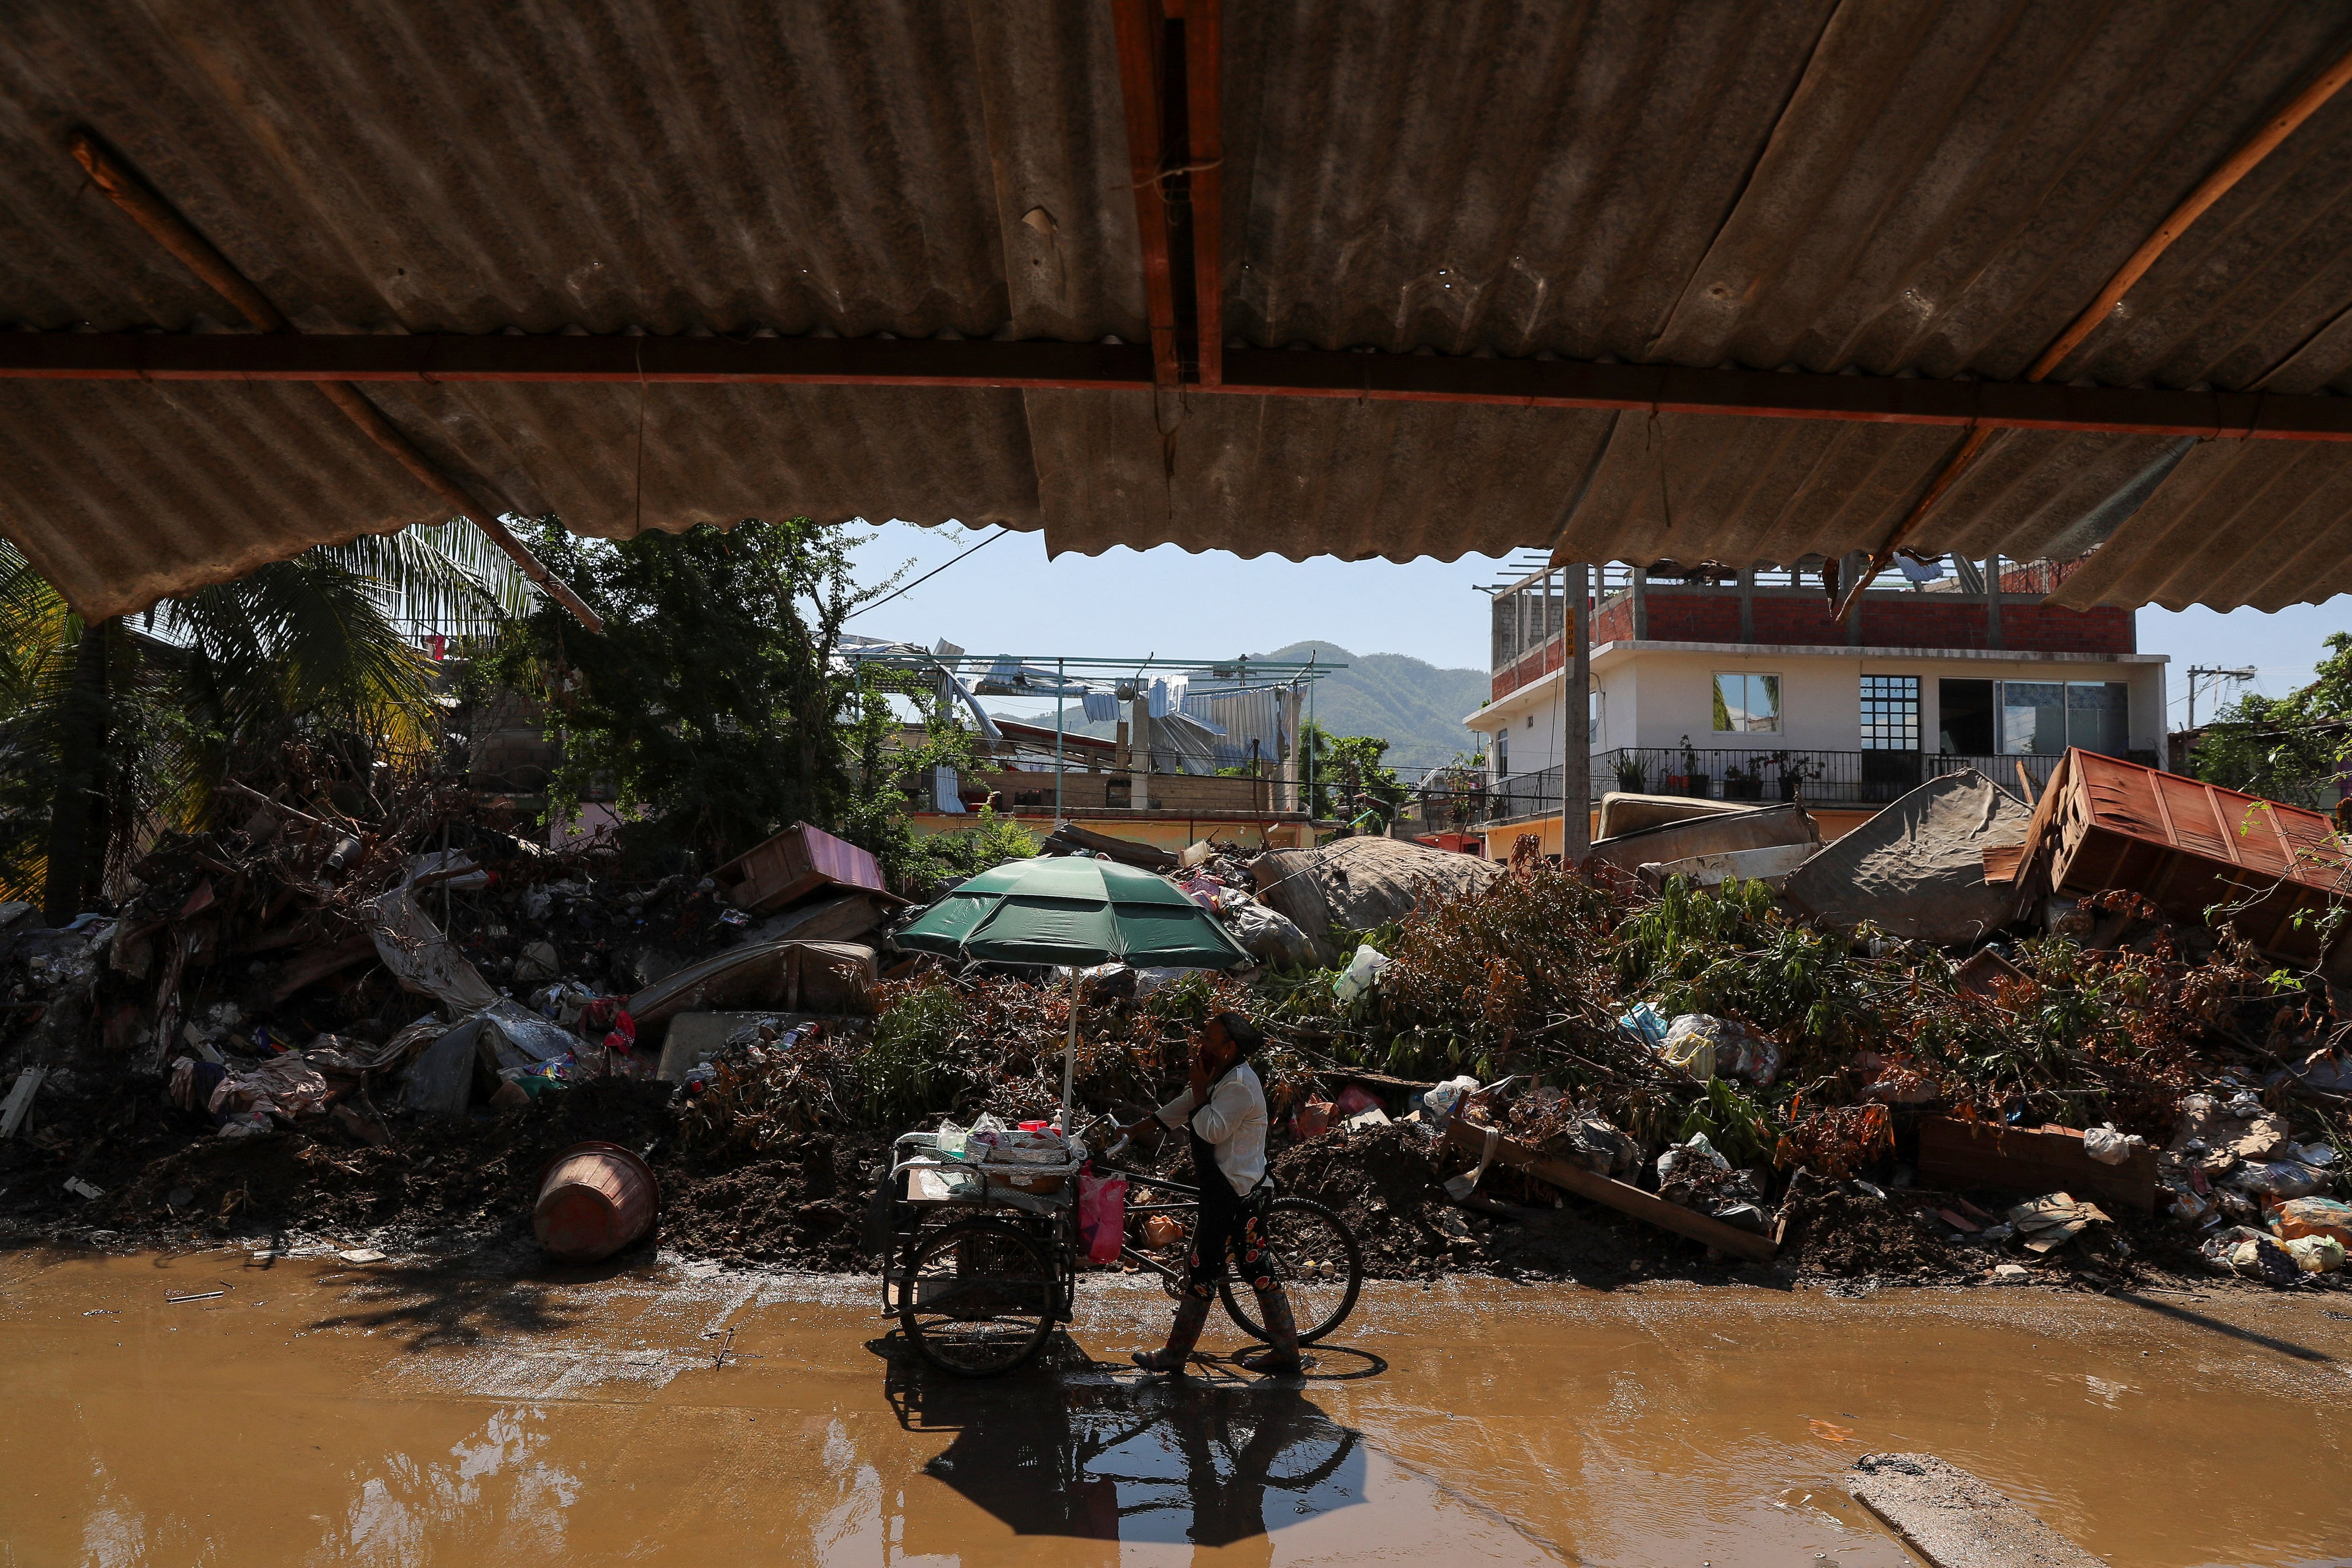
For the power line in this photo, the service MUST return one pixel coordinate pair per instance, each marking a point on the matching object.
(926, 576)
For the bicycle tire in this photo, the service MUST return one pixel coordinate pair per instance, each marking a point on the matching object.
(1328, 1234)
(1005, 1318)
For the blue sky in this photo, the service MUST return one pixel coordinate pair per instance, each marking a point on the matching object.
(1008, 598)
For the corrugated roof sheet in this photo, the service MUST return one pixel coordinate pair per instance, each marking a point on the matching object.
(1901, 187)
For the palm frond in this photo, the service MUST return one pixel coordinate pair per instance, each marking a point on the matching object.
(446, 578)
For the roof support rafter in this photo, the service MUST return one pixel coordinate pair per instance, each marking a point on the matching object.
(2210, 189)
(433, 357)
(141, 204)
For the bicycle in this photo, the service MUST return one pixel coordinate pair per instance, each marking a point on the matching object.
(980, 1259)
(1317, 1260)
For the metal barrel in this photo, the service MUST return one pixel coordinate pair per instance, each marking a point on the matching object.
(593, 1200)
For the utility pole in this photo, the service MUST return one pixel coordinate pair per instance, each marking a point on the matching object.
(2219, 674)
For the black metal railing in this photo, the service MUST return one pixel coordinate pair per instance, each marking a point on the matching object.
(1730, 772)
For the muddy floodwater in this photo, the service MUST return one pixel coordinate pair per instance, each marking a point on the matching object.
(314, 1412)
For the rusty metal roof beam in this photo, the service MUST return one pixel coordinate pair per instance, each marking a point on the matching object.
(2210, 189)
(466, 498)
(1257, 373)
(1141, 28)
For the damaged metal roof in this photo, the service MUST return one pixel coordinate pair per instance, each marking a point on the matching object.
(1901, 192)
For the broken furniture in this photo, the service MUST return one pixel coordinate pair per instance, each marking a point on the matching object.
(793, 864)
(2271, 870)
(1964, 1154)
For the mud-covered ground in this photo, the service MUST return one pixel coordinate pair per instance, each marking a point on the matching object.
(165, 1179)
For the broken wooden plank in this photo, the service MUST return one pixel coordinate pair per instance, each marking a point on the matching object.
(1614, 1194)
(1954, 1520)
(20, 1100)
(1955, 1153)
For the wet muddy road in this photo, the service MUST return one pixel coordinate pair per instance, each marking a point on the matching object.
(317, 1413)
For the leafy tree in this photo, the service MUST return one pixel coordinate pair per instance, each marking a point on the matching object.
(2286, 748)
(112, 731)
(1350, 780)
(712, 710)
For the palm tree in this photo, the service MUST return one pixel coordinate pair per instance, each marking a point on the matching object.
(109, 732)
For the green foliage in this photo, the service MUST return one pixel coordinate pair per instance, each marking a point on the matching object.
(710, 708)
(2286, 748)
(914, 1065)
(1734, 1123)
(1730, 953)
(952, 856)
(1350, 780)
(135, 729)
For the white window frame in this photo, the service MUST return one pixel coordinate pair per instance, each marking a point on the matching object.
(1715, 691)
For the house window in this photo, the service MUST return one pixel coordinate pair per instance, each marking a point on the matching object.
(2043, 718)
(1503, 753)
(1747, 703)
(1890, 712)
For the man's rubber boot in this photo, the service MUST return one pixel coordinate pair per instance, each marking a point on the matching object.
(1280, 1357)
(1191, 1315)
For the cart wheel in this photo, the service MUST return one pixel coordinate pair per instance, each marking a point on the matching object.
(1317, 1263)
(978, 1297)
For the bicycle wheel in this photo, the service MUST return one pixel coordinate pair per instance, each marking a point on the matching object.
(978, 1297)
(1316, 1262)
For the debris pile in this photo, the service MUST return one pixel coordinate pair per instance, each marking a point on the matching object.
(1872, 1063)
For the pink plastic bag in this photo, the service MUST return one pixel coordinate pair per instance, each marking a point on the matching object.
(1354, 1100)
(1102, 1215)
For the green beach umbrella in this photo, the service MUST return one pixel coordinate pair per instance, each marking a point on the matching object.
(1074, 911)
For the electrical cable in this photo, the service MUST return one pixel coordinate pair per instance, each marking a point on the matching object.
(926, 576)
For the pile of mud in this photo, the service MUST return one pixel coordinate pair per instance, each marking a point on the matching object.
(163, 1180)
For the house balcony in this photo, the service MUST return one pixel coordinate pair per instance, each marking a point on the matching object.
(1717, 773)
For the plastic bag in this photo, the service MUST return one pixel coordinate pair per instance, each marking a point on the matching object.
(1102, 1215)
(2312, 1217)
(1690, 1045)
(1354, 1100)
(1363, 972)
(2315, 1254)
(2249, 1254)
(2279, 1178)
(2109, 1147)
(1758, 1058)
(1645, 1024)
(1440, 1103)
(1698, 1148)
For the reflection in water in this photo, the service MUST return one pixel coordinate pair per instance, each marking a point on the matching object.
(496, 1485)
(1084, 1454)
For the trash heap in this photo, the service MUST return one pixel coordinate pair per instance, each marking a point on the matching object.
(1925, 1053)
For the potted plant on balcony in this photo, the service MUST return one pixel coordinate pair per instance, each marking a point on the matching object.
(1744, 784)
(1794, 770)
(1693, 779)
(1633, 778)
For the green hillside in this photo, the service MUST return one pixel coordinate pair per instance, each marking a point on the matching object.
(1417, 708)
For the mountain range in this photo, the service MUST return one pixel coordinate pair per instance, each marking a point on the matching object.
(1414, 706)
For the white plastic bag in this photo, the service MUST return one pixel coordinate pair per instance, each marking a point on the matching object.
(1698, 1148)
(2109, 1147)
(1440, 1104)
(1690, 1045)
(1363, 972)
